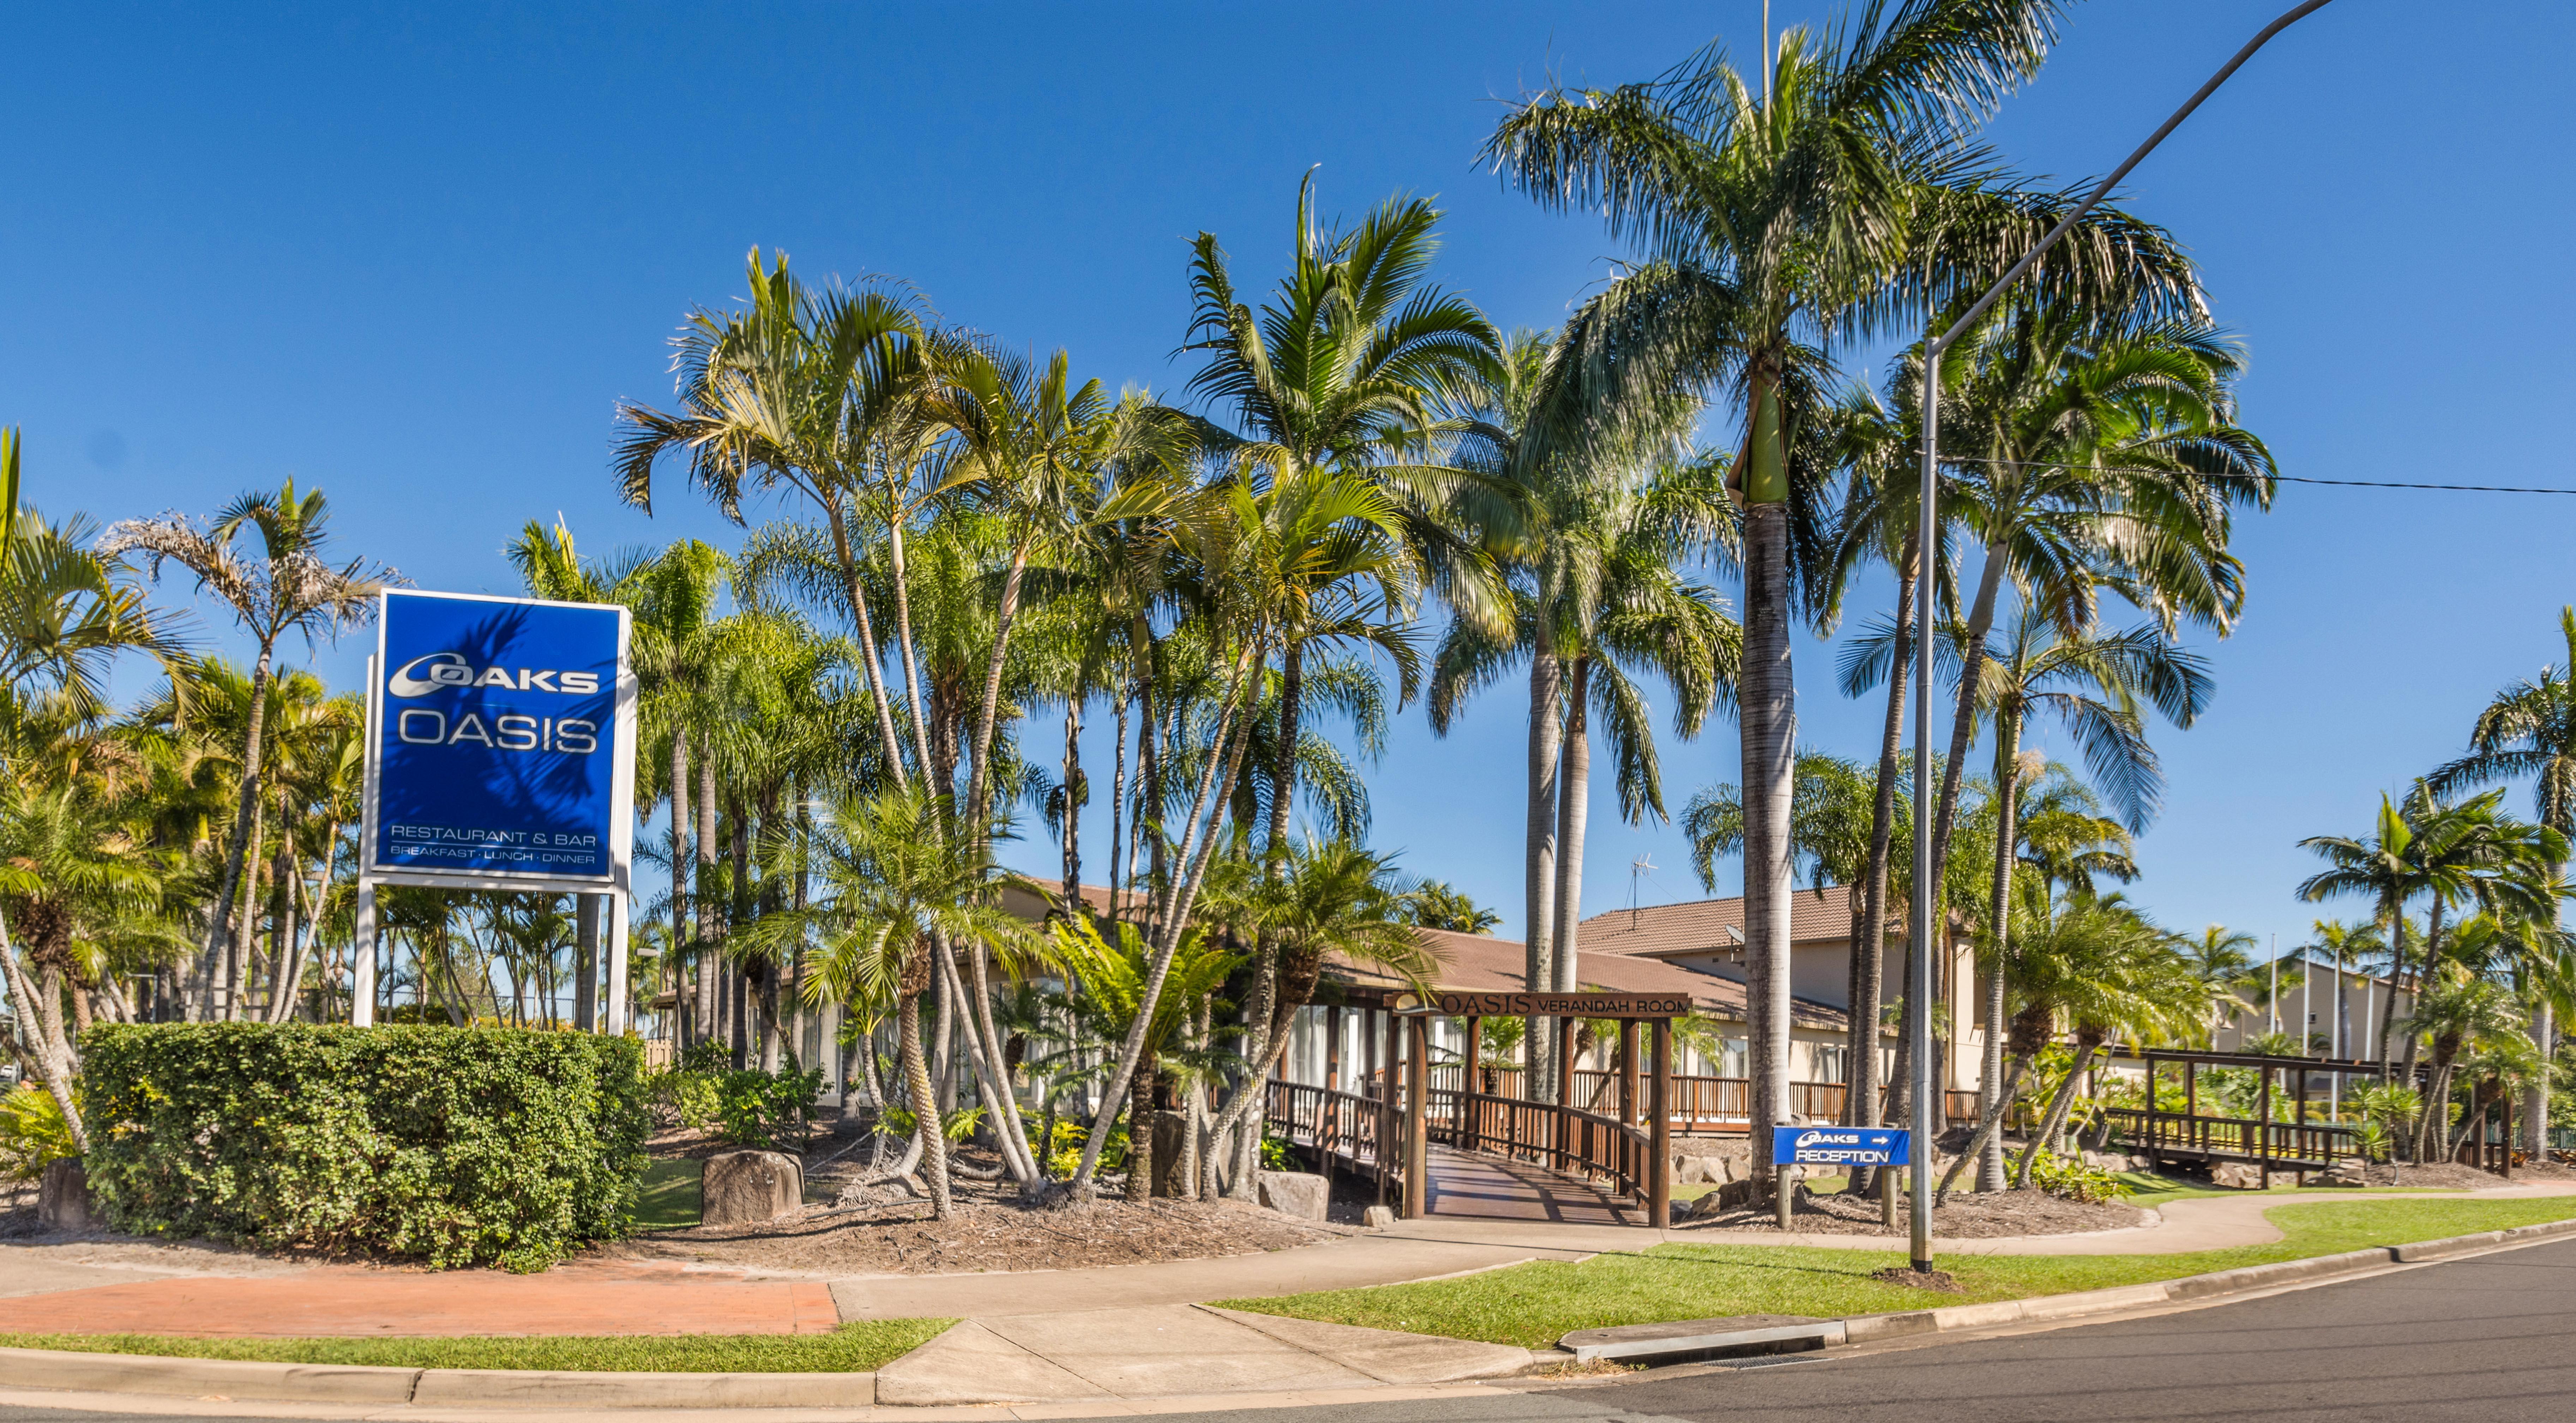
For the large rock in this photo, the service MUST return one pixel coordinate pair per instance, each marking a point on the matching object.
(2236, 1175)
(1302, 1194)
(748, 1187)
(62, 1197)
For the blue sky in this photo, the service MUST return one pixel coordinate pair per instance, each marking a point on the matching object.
(415, 255)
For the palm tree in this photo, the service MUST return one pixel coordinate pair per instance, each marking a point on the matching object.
(286, 586)
(1112, 1002)
(1599, 604)
(886, 882)
(68, 866)
(2530, 730)
(2462, 1013)
(1878, 522)
(2456, 854)
(1432, 904)
(1347, 370)
(2096, 965)
(1813, 213)
(2094, 686)
(2221, 960)
(2105, 454)
(2383, 867)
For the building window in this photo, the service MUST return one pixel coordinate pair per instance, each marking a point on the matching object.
(1832, 1064)
(1734, 1058)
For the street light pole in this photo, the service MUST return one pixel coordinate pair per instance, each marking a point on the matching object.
(1919, 938)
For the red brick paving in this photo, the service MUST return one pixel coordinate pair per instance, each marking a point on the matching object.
(353, 1301)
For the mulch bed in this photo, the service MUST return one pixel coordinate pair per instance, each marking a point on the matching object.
(1914, 1279)
(989, 1234)
(885, 1229)
(1968, 1216)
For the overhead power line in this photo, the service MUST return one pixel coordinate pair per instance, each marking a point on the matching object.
(2284, 478)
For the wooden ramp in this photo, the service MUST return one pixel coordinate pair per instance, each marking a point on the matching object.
(1488, 1187)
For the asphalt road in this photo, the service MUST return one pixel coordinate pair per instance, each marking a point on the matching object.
(2473, 1339)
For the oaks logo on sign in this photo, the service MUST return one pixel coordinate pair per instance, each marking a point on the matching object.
(423, 675)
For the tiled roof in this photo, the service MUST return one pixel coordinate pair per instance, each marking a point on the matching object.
(1704, 924)
(1094, 895)
(1477, 963)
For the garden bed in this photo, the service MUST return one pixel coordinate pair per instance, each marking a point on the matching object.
(986, 1234)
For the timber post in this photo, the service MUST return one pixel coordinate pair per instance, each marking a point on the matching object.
(1659, 1169)
(1417, 1119)
(1628, 1071)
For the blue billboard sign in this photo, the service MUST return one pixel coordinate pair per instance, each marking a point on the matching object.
(1842, 1146)
(496, 745)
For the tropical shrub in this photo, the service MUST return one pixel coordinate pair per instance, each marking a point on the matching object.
(2068, 1178)
(767, 1109)
(33, 1133)
(682, 1098)
(451, 1146)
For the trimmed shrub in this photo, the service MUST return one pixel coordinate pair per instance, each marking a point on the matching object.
(452, 1146)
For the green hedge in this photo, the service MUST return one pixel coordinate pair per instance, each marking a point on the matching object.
(454, 1146)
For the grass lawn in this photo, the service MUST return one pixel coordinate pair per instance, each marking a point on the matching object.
(1533, 1305)
(671, 1195)
(852, 1348)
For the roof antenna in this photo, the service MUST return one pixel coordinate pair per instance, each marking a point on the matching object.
(1638, 869)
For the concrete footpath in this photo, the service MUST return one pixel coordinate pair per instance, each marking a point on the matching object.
(1089, 1339)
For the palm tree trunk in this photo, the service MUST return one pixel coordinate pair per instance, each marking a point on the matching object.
(979, 773)
(221, 950)
(239, 944)
(1538, 865)
(1574, 788)
(43, 1030)
(904, 641)
(1963, 727)
(2535, 1095)
(2053, 1121)
(696, 1018)
(1118, 857)
(1283, 757)
(925, 1110)
(2394, 910)
(871, 655)
(1990, 1165)
(1072, 827)
(711, 964)
(1987, 1129)
(1256, 1038)
(1140, 1133)
(1769, 720)
(1170, 914)
(2423, 976)
(1869, 971)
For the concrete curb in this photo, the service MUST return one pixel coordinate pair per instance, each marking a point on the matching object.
(342, 1383)
(230, 1380)
(1869, 1328)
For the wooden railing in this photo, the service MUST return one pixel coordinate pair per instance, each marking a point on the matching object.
(1566, 1140)
(2232, 1138)
(1698, 1101)
(1346, 1131)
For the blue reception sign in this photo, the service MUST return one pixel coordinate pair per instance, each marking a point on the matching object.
(1843, 1146)
(498, 747)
